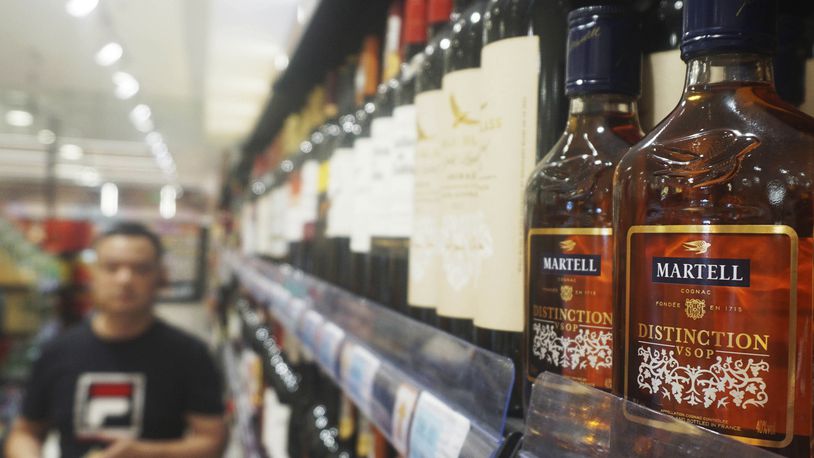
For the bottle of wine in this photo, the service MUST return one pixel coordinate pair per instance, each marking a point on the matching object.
(569, 201)
(790, 59)
(663, 70)
(399, 213)
(713, 223)
(424, 272)
(368, 76)
(462, 241)
(515, 94)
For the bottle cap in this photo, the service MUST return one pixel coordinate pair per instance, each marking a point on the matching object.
(604, 54)
(728, 26)
(415, 22)
(439, 11)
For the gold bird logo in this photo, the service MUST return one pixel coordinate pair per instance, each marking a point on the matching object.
(698, 246)
(568, 245)
(422, 136)
(458, 115)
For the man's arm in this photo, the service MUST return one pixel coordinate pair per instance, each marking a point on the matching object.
(206, 437)
(25, 439)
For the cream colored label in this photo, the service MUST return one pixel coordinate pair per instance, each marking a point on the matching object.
(381, 171)
(400, 210)
(662, 84)
(425, 261)
(360, 232)
(279, 244)
(340, 182)
(309, 197)
(509, 128)
(463, 228)
(808, 103)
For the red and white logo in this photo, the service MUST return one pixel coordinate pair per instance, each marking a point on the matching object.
(109, 406)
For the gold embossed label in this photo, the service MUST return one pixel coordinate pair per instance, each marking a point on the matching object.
(570, 290)
(711, 327)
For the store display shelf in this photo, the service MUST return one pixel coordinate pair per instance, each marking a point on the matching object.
(429, 392)
(569, 419)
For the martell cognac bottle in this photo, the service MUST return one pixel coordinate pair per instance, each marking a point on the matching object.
(569, 324)
(462, 239)
(425, 263)
(713, 227)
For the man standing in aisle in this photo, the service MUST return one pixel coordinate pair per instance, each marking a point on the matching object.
(123, 384)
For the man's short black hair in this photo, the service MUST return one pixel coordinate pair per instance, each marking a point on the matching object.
(132, 229)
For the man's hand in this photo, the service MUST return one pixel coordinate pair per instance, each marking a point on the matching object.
(124, 448)
(206, 437)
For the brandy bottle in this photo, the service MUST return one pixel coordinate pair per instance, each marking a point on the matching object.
(569, 238)
(713, 227)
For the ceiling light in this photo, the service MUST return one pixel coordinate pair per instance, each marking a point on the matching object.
(109, 54)
(301, 16)
(19, 118)
(140, 116)
(167, 205)
(281, 62)
(89, 177)
(109, 201)
(46, 137)
(81, 8)
(126, 85)
(154, 138)
(71, 152)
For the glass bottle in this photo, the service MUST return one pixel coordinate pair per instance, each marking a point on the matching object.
(569, 251)
(713, 223)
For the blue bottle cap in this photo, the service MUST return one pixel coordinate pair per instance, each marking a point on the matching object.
(728, 26)
(604, 54)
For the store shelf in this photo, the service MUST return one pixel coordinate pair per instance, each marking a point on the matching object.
(426, 390)
(569, 419)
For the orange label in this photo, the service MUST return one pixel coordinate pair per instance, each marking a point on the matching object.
(570, 304)
(717, 328)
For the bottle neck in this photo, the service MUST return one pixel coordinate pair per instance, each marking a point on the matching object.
(600, 109)
(743, 69)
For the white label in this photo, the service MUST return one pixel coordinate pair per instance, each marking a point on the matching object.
(293, 310)
(293, 220)
(340, 182)
(463, 228)
(309, 198)
(381, 170)
(437, 430)
(662, 85)
(808, 103)
(309, 326)
(279, 245)
(247, 228)
(406, 397)
(362, 158)
(425, 260)
(403, 172)
(276, 419)
(329, 341)
(509, 127)
(359, 368)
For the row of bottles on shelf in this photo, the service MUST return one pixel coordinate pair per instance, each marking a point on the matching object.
(24, 263)
(622, 260)
(290, 406)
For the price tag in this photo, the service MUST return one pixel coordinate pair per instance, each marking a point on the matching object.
(309, 325)
(359, 368)
(406, 397)
(329, 339)
(292, 312)
(437, 430)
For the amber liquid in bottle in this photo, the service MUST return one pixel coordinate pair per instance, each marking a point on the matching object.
(569, 202)
(725, 178)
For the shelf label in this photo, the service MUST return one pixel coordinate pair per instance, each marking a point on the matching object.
(329, 339)
(309, 326)
(359, 367)
(437, 430)
(292, 312)
(406, 397)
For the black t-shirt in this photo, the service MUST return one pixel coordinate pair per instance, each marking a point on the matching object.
(94, 391)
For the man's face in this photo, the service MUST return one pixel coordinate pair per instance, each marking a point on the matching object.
(127, 274)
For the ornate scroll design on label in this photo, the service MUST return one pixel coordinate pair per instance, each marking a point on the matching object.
(586, 349)
(706, 158)
(728, 380)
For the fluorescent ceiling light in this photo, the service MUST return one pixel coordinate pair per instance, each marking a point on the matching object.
(109, 54)
(19, 118)
(71, 152)
(81, 8)
(46, 137)
(167, 206)
(140, 116)
(109, 201)
(154, 138)
(126, 85)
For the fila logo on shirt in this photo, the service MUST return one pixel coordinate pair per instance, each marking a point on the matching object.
(109, 405)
